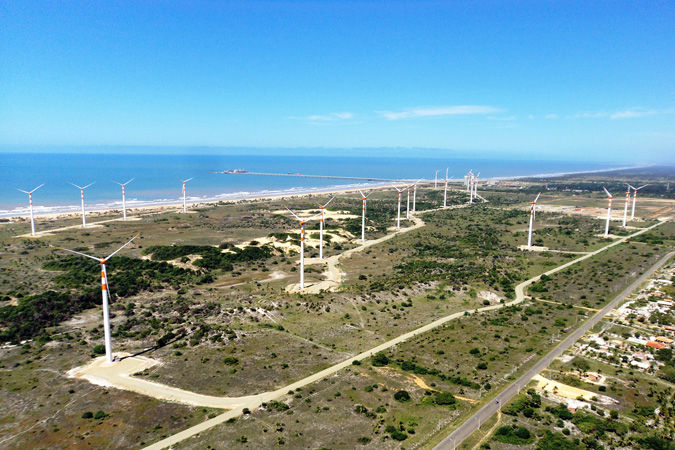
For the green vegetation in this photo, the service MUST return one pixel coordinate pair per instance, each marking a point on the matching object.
(514, 435)
(211, 258)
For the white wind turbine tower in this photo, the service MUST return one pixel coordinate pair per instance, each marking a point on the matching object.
(184, 190)
(632, 212)
(30, 204)
(82, 188)
(533, 206)
(445, 191)
(322, 208)
(436, 179)
(398, 217)
(104, 294)
(609, 210)
(475, 185)
(467, 180)
(124, 197)
(471, 180)
(363, 215)
(415, 195)
(302, 245)
(625, 204)
(407, 207)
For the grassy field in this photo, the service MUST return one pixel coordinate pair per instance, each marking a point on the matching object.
(221, 322)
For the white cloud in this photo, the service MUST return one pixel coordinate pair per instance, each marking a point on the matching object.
(326, 117)
(551, 116)
(437, 111)
(632, 113)
(503, 118)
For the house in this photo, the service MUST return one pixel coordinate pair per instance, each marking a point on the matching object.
(656, 345)
(664, 340)
(669, 328)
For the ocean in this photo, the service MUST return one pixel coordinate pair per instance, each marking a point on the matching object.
(157, 178)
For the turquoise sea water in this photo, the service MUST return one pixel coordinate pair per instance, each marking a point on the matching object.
(158, 177)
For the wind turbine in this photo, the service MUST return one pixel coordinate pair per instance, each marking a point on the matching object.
(475, 185)
(533, 206)
(471, 177)
(436, 179)
(467, 178)
(302, 245)
(322, 209)
(398, 217)
(407, 207)
(82, 188)
(632, 212)
(30, 204)
(609, 210)
(415, 194)
(363, 215)
(104, 294)
(184, 190)
(625, 204)
(124, 197)
(445, 191)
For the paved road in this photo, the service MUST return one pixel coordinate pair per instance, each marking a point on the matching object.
(483, 414)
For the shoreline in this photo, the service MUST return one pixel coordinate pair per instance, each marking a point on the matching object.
(160, 206)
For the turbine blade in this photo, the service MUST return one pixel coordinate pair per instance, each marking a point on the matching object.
(185, 181)
(361, 192)
(79, 187)
(88, 185)
(21, 190)
(606, 192)
(294, 214)
(37, 188)
(537, 198)
(331, 199)
(130, 181)
(631, 186)
(79, 253)
(644, 185)
(129, 242)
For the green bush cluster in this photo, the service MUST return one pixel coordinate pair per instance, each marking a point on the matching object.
(211, 258)
(514, 435)
(33, 314)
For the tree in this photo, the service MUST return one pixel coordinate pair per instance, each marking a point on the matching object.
(581, 364)
(380, 359)
(444, 398)
(402, 396)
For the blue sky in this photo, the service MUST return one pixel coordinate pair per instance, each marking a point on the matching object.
(573, 79)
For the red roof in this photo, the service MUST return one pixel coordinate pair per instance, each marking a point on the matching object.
(655, 344)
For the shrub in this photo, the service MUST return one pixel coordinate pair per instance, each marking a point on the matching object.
(380, 359)
(399, 435)
(99, 349)
(277, 406)
(402, 396)
(98, 415)
(444, 398)
(481, 366)
(88, 415)
(230, 360)
(513, 435)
